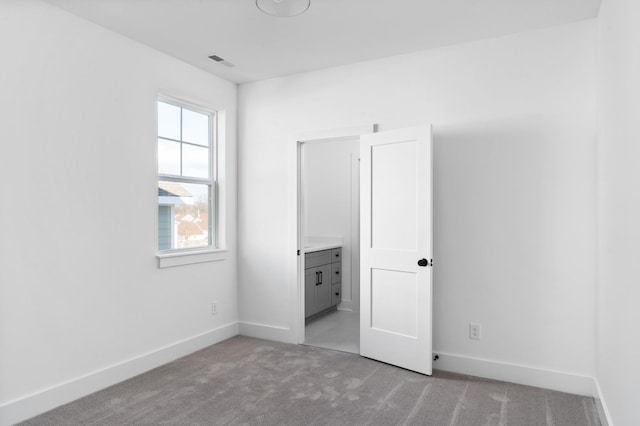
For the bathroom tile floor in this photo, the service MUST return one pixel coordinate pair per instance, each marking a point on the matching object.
(338, 330)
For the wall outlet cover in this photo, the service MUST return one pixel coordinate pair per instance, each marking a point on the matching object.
(474, 331)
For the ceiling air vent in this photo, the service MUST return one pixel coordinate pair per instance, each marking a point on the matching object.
(221, 60)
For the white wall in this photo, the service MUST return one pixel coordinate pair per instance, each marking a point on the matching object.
(618, 370)
(330, 173)
(514, 192)
(82, 301)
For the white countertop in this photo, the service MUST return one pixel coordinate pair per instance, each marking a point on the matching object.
(311, 247)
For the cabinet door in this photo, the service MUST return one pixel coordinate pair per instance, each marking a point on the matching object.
(336, 296)
(310, 279)
(323, 289)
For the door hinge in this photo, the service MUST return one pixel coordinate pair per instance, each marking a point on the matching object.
(298, 252)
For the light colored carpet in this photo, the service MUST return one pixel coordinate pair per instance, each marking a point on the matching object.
(246, 381)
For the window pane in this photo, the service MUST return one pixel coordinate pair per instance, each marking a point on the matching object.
(168, 157)
(184, 153)
(195, 161)
(165, 228)
(168, 121)
(190, 222)
(195, 127)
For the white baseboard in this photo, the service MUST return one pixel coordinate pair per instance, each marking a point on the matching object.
(514, 373)
(267, 332)
(23, 408)
(348, 305)
(602, 404)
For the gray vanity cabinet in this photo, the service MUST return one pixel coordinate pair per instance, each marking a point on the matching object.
(317, 289)
(322, 281)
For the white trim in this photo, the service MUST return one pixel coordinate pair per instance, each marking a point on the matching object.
(602, 404)
(347, 305)
(25, 407)
(295, 219)
(355, 236)
(185, 102)
(184, 257)
(267, 332)
(522, 374)
(328, 135)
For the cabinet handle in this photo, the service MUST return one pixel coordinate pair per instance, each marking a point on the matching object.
(337, 294)
(317, 277)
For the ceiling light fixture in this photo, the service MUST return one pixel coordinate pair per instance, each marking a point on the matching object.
(283, 8)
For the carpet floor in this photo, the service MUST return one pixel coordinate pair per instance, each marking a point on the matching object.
(247, 381)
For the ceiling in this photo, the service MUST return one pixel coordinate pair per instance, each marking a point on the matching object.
(330, 33)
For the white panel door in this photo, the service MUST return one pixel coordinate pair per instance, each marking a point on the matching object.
(395, 244)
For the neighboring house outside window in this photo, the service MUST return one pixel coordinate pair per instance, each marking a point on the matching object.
(186, 179)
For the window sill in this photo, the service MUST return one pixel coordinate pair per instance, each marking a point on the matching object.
(171, 259)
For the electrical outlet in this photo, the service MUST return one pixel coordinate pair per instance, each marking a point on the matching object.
(214, 308)
(474, 331)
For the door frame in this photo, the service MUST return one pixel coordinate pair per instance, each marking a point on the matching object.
(295, 215)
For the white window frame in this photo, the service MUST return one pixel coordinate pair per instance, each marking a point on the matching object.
(212, 251)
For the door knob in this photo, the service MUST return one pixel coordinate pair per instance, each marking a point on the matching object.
(423, 262)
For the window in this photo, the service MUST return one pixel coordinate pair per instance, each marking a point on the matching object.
(186, 178)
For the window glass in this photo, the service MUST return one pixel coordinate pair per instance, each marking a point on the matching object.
(195, 127)
(185, 177)
(190, 204)
(168, 157)
(165, 229)
(195, 161)
(168, 121)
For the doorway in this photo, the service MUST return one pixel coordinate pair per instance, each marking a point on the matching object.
(330, 216)
(348, 306)
(395, 297)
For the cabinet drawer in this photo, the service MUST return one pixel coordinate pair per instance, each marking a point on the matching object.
(336, 294)
(317, 258)
(336, 273)
(336, 255)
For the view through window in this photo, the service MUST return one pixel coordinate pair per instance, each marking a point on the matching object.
(185, 176)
